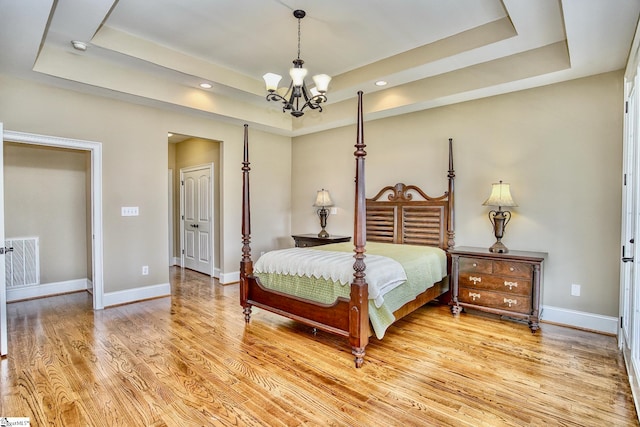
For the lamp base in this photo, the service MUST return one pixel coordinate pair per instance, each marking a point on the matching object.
(498, 248)
(323, 233)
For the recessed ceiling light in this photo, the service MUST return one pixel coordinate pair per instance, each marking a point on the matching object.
(381, 83)
(78, 45)
(206, 85)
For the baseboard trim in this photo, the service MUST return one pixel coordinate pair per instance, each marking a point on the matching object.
(580, 319)
(46, 289)
(136, 294)
(226, 278)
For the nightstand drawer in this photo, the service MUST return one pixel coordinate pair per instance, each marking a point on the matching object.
(475, 265)
(510, 285)
(510, 302)
(513, 269)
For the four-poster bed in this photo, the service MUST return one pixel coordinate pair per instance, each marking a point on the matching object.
(396, 219)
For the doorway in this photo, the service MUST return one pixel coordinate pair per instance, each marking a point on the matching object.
(96, 226)
(47, 220)
(190, 153)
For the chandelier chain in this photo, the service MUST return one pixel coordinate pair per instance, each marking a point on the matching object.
(298, 38)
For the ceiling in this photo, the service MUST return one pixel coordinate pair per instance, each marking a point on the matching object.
(431, 52)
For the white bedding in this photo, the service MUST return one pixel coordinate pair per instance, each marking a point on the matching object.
(382, 274)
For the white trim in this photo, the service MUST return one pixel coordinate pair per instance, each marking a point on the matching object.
(45, 289)
(631, 370)
(171, 226)
(580, 319)
(137, 294)
(4, 342)
(229, 277)
(96, 197)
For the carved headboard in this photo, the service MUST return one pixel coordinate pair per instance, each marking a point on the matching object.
(401, 219)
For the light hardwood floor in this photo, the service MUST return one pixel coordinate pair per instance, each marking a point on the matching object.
(190, 360)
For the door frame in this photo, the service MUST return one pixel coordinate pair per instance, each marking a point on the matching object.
(171, 225)
(4, 346)
(95, 149)
(210, 167)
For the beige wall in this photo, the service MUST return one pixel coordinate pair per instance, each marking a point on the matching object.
(560, 147)
(135, 159)
(46, 197)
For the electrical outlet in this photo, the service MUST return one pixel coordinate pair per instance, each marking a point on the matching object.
(333, 211)
(575, 290)
(145, 270)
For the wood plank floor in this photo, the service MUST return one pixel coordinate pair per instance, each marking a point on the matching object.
(190, 360)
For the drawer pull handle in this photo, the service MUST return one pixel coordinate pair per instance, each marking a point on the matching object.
(510, 301)
(512, 269)
(475, 264)
(474, 295)
(475, 279)
(511, 285)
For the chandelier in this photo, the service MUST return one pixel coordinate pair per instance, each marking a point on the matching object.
(298, 97)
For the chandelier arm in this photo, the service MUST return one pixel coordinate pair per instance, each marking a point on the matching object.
(272, 96)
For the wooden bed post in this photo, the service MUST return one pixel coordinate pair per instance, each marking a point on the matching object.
(358, 306)
(451, 214)
(246, 264)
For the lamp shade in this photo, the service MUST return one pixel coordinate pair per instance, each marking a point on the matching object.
(272, 80)
(322, 82)
(323, 199)
(298, 75)
(500, 196)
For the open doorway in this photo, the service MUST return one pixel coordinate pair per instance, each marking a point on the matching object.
(188, 154)
(96, 232)
(47, 220)
(91, 209)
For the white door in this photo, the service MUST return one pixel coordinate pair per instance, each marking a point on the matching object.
(197, 213)
(3, 286)
(629, 335)
(627, 271)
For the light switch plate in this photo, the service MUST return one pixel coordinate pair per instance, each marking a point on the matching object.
(129, 211)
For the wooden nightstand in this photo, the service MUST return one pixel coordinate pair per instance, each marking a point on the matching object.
(507, 284)
(307, 240)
